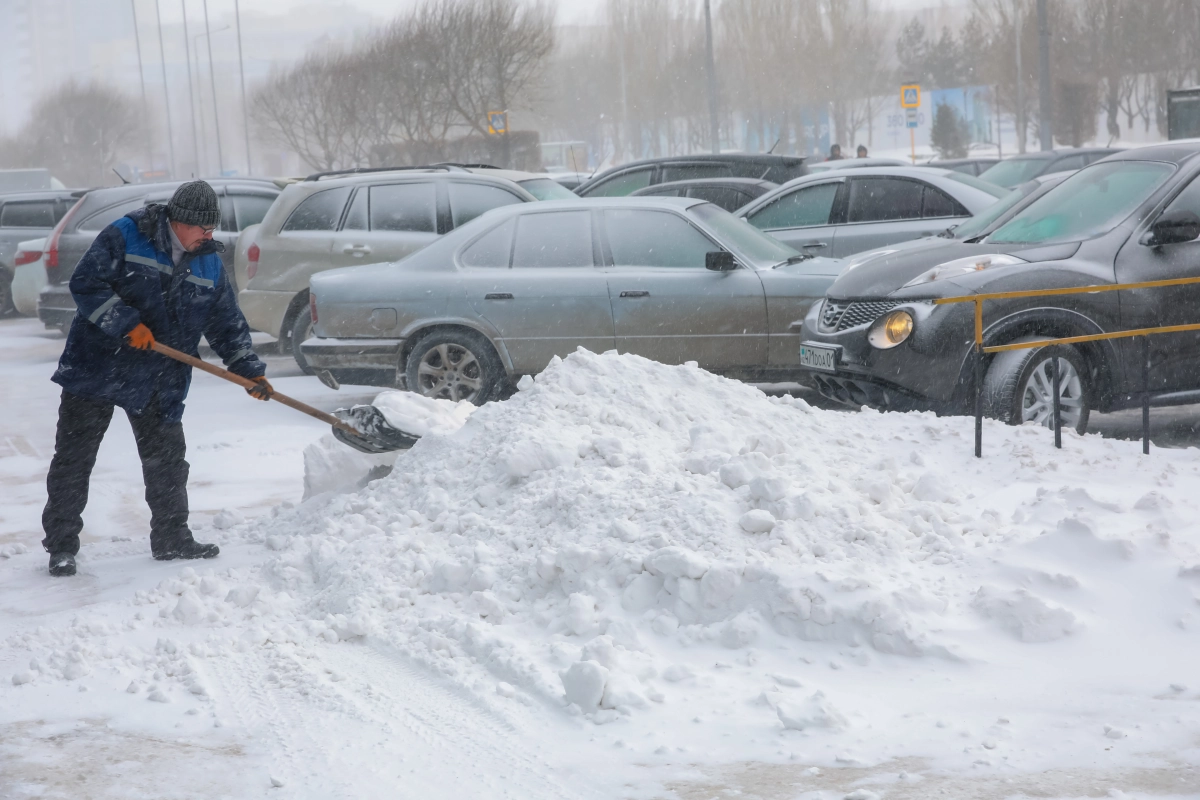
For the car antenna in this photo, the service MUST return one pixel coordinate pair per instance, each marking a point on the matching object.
(777, 141)
(122, 177)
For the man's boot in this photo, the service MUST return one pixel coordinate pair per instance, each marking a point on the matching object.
(62, 564)
(186, 548)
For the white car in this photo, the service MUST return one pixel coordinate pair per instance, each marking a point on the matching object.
(29, 276)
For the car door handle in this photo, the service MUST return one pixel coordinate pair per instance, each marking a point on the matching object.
(637, 293)
(357, 249)
(498, 296)
(814, 244)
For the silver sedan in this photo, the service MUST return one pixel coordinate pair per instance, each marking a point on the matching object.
(671, 279)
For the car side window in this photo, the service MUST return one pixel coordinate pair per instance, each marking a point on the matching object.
(228, 221)
(105, 217)
(410, 207)
(721, 196)
(937, 203)
(555, 239)
(1187, 200)
(469, 200)
(884, 200)
(356, 217)
(810, 205)
(640, 238)
(492, 250)
(28, 215)
(251, 208)
(623, 184)
(689, 172)
(1070, 162)
(321, 212)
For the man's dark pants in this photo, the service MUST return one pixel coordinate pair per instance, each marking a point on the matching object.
(82, 423)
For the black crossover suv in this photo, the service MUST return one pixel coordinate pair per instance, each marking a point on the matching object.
(877, 340)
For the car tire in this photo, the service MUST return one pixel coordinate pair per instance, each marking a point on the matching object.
(301, 330)
(454, 364)
(1017, 388)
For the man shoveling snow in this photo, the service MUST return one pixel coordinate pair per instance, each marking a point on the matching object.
(153, 275)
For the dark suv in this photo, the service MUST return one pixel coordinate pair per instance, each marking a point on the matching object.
(1016, 170)
(877, 339)
(628, 178)
(244, 202)
(27, 215)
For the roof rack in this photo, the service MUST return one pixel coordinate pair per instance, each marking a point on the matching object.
(316, 176)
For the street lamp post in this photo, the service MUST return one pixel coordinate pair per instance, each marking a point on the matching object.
(196, 55)
(237, 17)
(212, 77)
(137, 41)
(1046, 128)
(714, 127)
(166, 94)
(187, 54)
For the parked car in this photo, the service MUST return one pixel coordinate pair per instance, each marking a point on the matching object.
(360, 217)
(1135, 216)
(29, 277)
(967, 166)
(628, 178)
(26, 215)
(842, 212)
(569, 180)
(34, 179)
(1018, 169)
(856, 163)
(244, 201)
(671, 279)
(727, 193)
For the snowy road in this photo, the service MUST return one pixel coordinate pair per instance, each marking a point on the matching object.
(768, 601)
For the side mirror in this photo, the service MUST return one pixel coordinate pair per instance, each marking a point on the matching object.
(720, 261)
(1173, 227)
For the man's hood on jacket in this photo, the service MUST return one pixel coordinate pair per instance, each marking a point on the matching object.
(152, 223)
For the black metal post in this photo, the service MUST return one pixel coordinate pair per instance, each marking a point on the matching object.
(978, 401)
(1057, 421)
(1146, 395)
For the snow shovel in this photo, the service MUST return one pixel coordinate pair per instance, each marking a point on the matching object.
(363, 427)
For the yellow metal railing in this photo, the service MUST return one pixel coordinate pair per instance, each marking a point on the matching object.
(1145, 333)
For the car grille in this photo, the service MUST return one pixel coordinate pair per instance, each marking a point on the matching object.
(840, 316)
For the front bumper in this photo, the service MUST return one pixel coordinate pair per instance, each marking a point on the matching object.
(343, 354)
(56, 306)
(923, 373)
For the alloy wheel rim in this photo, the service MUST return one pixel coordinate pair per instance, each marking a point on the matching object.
(1037, 401)
(449, 372)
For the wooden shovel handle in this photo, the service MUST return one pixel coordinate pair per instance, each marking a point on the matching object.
(246, 383)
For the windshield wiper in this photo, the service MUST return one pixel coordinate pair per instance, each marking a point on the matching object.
(948, 233)
(975, 239)
(796, 259)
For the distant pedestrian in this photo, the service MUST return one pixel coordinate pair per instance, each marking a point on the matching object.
(862, 151)
(835, 153)
(153, 275)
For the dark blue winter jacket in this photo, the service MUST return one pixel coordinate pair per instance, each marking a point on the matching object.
(126, 277)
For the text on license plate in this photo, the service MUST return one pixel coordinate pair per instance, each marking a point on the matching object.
(818, 357)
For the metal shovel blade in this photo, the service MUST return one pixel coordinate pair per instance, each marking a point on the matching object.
(374, 435)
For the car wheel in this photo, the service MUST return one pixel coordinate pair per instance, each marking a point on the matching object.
(454, 365)
(6, 298)
(301, 330)
(1018, 387)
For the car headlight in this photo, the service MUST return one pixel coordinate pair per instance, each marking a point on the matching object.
(964, 266)
(890, 330)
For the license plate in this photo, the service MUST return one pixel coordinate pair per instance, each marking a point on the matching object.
(815, 356)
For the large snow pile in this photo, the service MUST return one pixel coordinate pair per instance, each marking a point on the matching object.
(572, 541)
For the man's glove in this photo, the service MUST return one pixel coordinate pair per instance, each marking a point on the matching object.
(262, 391)
(140, 337)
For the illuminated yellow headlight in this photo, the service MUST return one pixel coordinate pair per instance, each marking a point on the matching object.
(891, 330)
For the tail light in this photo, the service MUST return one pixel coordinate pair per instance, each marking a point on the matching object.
(252, 254)
(26, 257)
(51, 263)
(312, 307)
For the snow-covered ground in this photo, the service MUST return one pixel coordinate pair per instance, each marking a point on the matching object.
(628, 580)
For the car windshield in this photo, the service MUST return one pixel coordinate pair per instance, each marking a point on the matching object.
(1090, 203)
(1013, 171)
(975, 183)
(746, 239)
(983, 220)
(547, 189)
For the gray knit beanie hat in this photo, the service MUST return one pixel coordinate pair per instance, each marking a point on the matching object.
(195, 203)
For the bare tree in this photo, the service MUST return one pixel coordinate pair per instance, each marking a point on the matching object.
(299, 109)
(77, 131)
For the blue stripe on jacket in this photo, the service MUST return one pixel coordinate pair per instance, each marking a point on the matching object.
(126, 277)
